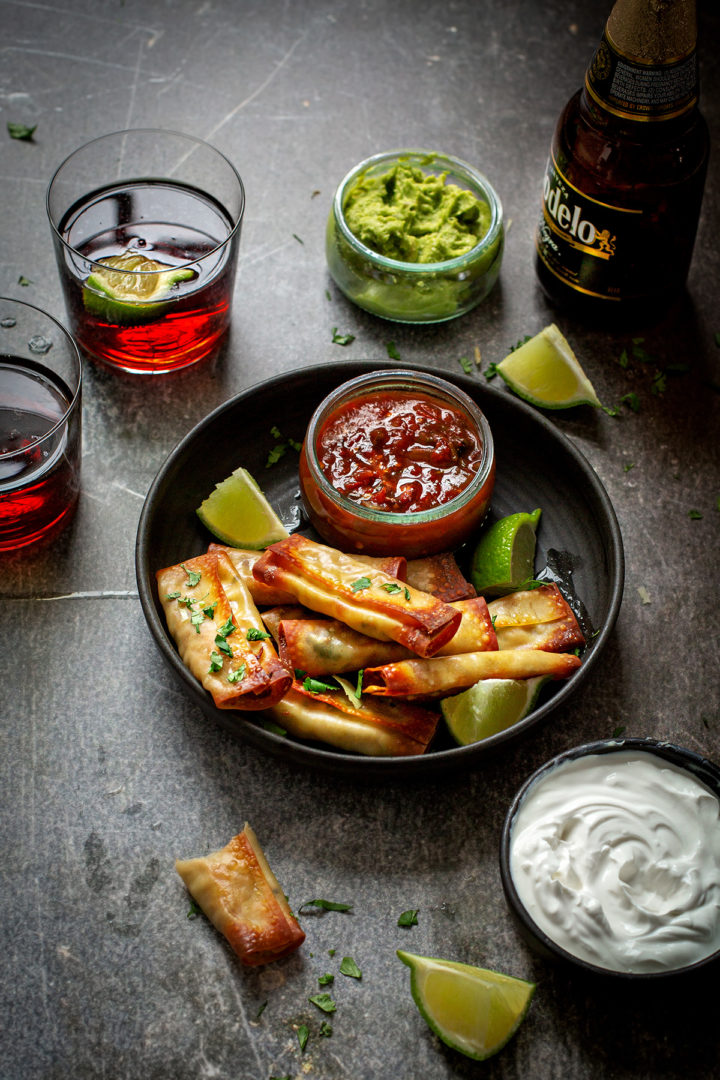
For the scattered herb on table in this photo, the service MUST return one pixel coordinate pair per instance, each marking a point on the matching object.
(326, 905)
(324, 1002)
(194, 910)
(631, 400)
(327, 979)
(392, 351)
(694, 515)
(299, 240)
(341, 339)
(21, 131)
(466, 364)
(490, 371)
(25, 281)
(325, 1029)
(410, 917)
(303, 1034)
(349, 967)
(261, 1010)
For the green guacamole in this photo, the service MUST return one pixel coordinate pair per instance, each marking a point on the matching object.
(414, 216)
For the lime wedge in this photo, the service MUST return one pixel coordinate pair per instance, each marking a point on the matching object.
(471, 1009)
(546, 372)
(238, 513)
(130, 288)
(505, 556)
(489, 706)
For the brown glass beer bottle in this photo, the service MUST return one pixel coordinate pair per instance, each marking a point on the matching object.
(625, 177)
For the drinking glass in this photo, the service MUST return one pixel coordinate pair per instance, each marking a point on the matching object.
(40, 414)
(146, 226)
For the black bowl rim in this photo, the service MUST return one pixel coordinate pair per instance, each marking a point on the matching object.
(370, 767)
(700, 767)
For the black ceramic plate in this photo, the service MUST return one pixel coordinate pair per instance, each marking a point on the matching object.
(578, 538)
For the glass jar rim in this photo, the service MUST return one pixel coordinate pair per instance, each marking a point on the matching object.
(73, 402)
(237, 224)
(469, 172)
(400, 379)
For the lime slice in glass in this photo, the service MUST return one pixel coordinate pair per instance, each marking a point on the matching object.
(238, 514)
(489, 706)
(546, 372)
(472, 1009)
(130, 288)
(504, 558)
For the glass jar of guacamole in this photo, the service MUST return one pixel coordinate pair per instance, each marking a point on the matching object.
(415, 236)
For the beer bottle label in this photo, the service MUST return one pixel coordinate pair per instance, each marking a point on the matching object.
(586, 243)
(636, 90)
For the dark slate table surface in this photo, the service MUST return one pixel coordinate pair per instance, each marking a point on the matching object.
(109, 773)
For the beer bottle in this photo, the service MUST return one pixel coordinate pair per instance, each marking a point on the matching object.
(624, 181)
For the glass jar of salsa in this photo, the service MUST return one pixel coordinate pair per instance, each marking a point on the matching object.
(397, 463)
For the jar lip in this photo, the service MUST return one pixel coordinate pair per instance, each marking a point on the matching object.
(476, 181)
(400, 379)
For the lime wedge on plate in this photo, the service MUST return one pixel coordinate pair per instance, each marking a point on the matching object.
(489, 706)
(546, 372)
(504, 558)
(130, 288)
(238, 514)
(471, 1009)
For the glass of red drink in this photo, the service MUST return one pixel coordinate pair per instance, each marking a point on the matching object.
(146, 226)
(40, 414)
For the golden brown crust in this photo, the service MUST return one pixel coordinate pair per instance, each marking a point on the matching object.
(239, 893)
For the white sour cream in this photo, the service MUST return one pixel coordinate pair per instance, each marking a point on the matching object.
(616, 857)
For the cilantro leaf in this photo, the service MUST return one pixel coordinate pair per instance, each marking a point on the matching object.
(349, 967)
(466, 364)
(216, 662)
(238, 674)
(490, 371)
(316, 686)
(253, 634)
(324, 1002)
(327, 979)
(223, 645)
(275, 454)
(326, 905)
(325, 1029)
(303, 1034)
(391, 587)
(194, 576)
(21, 131)
(361, 583)
(694, 515)
(341, 339)
(226, 629)
(392, 351)
(409, 918)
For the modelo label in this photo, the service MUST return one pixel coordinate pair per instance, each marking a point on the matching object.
(636, 90)
(582, 240)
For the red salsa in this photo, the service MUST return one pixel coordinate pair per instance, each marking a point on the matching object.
(399, 451)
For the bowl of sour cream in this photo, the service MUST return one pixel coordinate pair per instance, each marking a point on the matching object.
(610, 858)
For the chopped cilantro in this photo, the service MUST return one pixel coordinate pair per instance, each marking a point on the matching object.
(630, 465)
(238, 674)
(391, 587)
(325, 1029)
(196, 619)
(194, 909)
(303, 1034)
(694, 515)
(520, 342)
(349, 967)
(275, 454)
(392, 351)
(324, 1002)
(223, 645)
(295, 235)
(276, 432)
(326, 905)
(253, 634)
(358, 684)
(490, 371)
(341, 339)
(227, 628)
(261, 1010)
(618, 731)
(327, 294)
(316, 686)
(631, 400)
(21, 131)
(173, 595)
(326, 979)
(361, 583)
(466, 364)
(22, 280)
(209, 611)
(409, 918)
(216, 662)
(194, 576)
